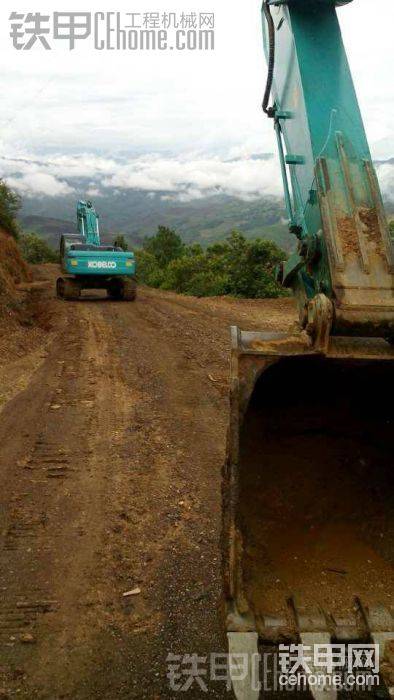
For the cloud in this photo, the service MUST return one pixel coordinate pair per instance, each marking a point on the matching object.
(37, 184)
(93, 192)
(182, 179)
(179, 178)
(386, 179)
(244, 178)
(116, 102)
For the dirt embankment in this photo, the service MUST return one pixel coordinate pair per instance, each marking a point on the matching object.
(25, 317)
(22, 305)
(13, 271)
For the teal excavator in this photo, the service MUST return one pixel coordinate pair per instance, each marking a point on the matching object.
(88, 264)
(308, 497)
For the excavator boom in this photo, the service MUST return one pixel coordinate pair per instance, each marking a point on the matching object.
(344, 250)
(88, 223)
(308, 497)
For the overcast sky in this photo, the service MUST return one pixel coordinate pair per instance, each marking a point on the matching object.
(183, 121)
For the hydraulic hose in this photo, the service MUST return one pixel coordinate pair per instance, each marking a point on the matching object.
(270, 111)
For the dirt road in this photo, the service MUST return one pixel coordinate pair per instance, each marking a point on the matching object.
(112, 439)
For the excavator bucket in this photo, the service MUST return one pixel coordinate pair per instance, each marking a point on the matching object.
(308, 495)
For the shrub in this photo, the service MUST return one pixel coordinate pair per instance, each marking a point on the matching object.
(207, 284)
(165, 246)
(35, 250)
(250, 266)
(10, 203)
(179, 272)
(236, 266)
(121, 242)
(148, 269)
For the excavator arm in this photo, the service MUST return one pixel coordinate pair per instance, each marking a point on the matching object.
(87, 221)
(343, 265)
(308, 483)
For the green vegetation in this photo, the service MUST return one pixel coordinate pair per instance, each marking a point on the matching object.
(121, 242)
(35, 250)
(237, 267)
(165, 247)
(10, 204)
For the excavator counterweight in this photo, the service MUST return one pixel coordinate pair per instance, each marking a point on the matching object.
(308, 497)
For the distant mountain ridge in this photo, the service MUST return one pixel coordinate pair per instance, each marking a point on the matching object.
(48, 227)
(137, 214)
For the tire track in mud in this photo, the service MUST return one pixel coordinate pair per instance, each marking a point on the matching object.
(54, 491)
(115, 486)
(112, 483)
(186, 418)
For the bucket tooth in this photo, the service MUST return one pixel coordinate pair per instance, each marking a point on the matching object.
(351, 625)
(380, 621)
(274, 628)
(244, 664)
(313, 631)
(309, 618)
(311, 640)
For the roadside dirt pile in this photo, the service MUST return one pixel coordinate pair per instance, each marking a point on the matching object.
(26, 308)
(13, 271)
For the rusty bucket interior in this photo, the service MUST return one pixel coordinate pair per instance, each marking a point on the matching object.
(315, 496)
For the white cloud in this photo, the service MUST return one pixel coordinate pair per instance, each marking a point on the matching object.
(191, 179)
(38, 184)
(112, 118)
(183, 179)
(386, 179)
(187, 178)
(115, 102)
(93, 192)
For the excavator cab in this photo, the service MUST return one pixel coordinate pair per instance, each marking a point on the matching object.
(308, 497)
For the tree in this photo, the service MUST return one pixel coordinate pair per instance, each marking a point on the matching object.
(180, 271)
(236, 266)
(207, 284)
(35, 250)
(120, 242)
(248, 265)
(148, 269)
(194, 249)
(251, 266)
(166, 245)
(10, 204)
